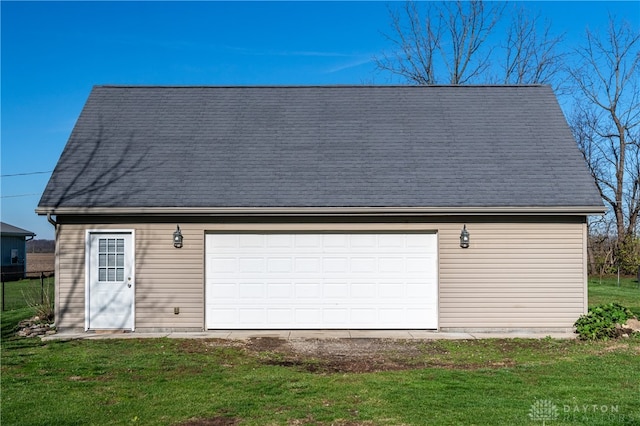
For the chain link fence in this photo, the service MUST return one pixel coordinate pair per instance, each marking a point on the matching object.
(37, 289)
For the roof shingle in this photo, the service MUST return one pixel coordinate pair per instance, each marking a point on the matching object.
(334, 146)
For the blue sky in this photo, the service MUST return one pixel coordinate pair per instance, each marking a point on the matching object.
(52, 53)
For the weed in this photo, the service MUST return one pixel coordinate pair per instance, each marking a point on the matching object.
(600, 322)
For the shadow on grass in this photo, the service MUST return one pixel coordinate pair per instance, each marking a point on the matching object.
(9, 321)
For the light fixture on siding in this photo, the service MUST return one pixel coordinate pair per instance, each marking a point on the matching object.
(464, 237)
(177, 238)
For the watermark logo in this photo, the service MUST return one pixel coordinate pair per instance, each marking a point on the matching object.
(543, 410)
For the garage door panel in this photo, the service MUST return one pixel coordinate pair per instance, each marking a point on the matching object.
(335, 317)
(321, 281)
(363, 264)
(224, 265)
(420, 265)
(391, 241)
(280, 316)
(393, 265)
(279, 240)
(222, 290)
(389, 316)
(363, 316)
(364, 290)
(250, 316)
(249, 241)
(305, 241)
(279, 264)
(335, 241)
(224, 317)
(421, 240)
(251, 265)
(418, 290)
(252, 291)
(307, 290)
(363, 241)
(308, 265)
(308, 317)
(224, 241)
(390, 291)
(279, 290)
(335, 265)
(416, 314)
(333, 290)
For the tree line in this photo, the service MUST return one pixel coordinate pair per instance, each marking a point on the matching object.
(41, 246)
(476, 42)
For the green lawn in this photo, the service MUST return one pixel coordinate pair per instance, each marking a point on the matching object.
(166, 381)
(23, 293)
(606, 290)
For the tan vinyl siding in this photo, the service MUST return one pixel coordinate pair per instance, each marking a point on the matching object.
(514, 275)
(165, 277)
(169, 278)
(70, 283)
(518, 273)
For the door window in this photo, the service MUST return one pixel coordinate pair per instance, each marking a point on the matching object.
(111, 259)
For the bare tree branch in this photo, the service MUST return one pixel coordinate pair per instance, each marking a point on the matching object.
(415, 45)
(530, 57)
(468, 25)
(606, 123)
(445, 44)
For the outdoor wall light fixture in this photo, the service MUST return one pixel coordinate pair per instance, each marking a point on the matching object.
(177, 238)
(464, 237)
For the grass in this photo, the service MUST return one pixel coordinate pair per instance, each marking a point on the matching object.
(164, 381)
(606, 290)
(22, 293)
(173, 381)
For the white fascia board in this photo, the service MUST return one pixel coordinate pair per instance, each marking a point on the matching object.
(320, 211)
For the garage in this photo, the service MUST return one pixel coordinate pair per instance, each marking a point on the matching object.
(321, 280)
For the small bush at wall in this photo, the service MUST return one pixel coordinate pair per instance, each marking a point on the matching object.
(600, 322)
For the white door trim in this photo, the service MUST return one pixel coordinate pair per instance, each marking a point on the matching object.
(87, 271)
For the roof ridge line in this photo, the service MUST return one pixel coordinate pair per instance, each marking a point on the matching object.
(329, 86)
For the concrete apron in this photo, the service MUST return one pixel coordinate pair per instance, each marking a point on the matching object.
(311, 334)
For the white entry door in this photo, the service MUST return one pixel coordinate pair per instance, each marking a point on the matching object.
(110, 298)
(322, 281)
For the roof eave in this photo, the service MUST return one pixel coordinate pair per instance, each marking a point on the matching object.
(18, 234)
(320, 211)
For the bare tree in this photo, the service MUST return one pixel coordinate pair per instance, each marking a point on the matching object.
(468, 25)
(446, 45)
(457, 43)
(606, 121)
(531, 57)
(415, 46)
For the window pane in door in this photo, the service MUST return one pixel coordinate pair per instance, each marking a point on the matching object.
(111, 259)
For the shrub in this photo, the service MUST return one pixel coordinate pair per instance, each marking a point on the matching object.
(600, 322)
(41, 304)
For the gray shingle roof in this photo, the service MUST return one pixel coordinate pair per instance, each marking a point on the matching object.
(14, 231)
(335, 146)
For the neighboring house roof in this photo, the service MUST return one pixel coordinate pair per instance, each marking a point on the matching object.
(7, 230)
(428, 148)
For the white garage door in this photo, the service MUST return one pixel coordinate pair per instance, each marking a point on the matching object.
(321, 281)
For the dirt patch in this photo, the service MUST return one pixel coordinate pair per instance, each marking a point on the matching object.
(230, 421)
(352, 355)
(367, 355)
(213, 421)
(612, 346)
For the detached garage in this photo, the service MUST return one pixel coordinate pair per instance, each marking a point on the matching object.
(215, 208)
